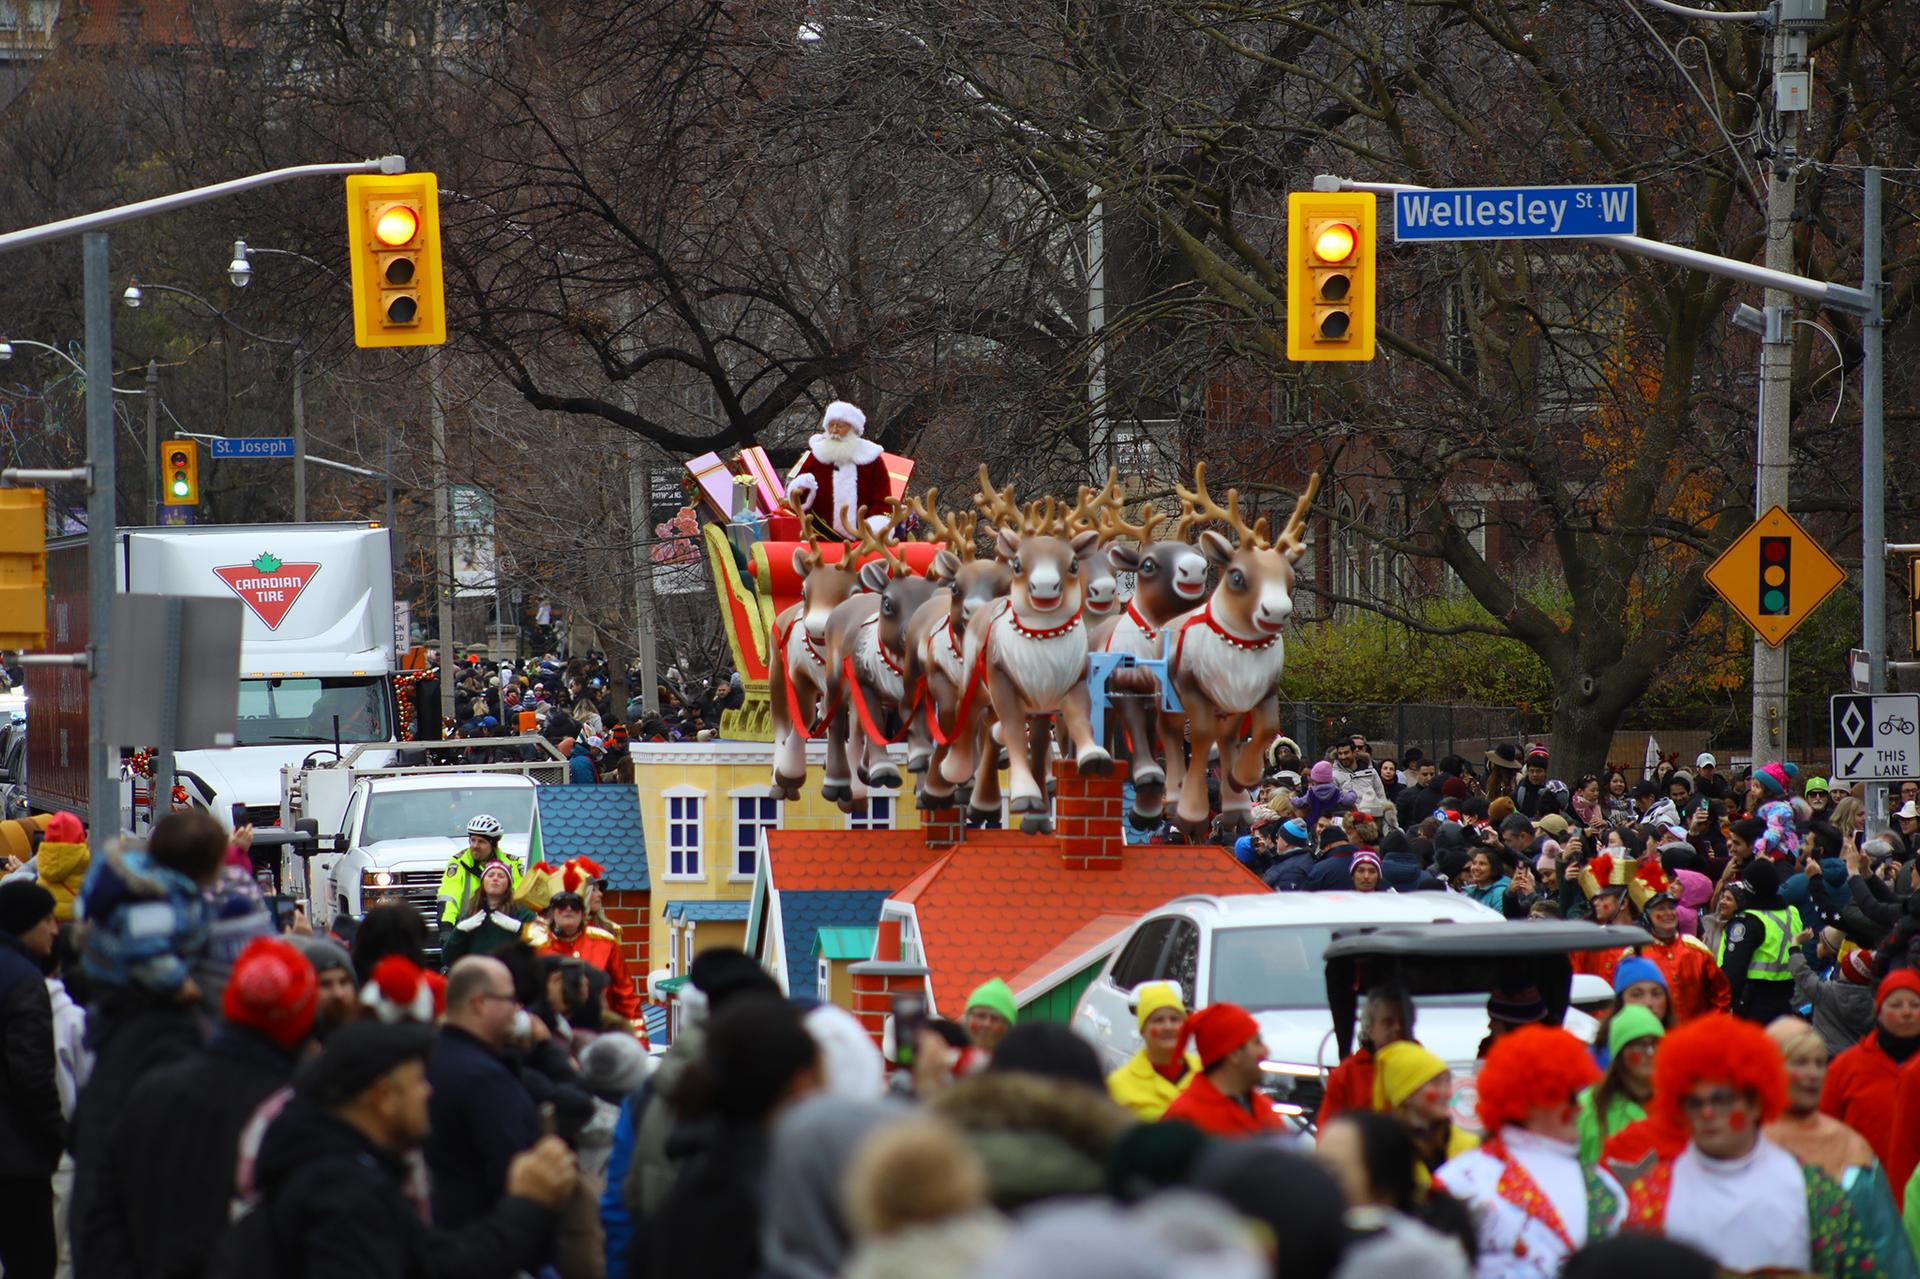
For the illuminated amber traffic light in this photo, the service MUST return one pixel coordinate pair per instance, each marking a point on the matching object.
(393, 232)
(1330, 275)
(180, 473)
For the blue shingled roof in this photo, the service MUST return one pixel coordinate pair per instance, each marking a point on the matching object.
(701, 911)
(600, 822)
(804, 914)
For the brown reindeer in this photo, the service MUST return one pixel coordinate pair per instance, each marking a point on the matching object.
(1227, 657)
(936, 641)
(1030, 653)
(797, 673)
(867, 633)
(1169, 579)
(1101, 581)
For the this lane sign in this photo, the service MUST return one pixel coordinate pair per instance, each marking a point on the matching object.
(1514, 213)
(1876, 737)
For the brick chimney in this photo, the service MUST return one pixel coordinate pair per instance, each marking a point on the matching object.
(943, 827)
(876, 982)
(1087, 817)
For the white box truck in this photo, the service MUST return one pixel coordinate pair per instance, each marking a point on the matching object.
(316, 657)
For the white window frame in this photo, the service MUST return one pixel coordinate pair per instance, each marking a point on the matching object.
(696, 853)
(864, 821)
(823, 980)
(757, 795)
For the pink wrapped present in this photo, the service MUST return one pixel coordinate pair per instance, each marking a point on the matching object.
(716, 483)
(768, 490)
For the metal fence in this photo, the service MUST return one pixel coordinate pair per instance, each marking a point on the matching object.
(1437, 728)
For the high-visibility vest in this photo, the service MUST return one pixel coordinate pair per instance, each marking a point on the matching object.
(1769, 962)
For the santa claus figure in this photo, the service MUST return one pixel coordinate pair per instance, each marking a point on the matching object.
(843, 472)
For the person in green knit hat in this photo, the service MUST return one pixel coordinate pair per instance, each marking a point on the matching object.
(990, 1014)
(1620, 1098)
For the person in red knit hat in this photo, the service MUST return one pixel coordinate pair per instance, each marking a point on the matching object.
(1221, 1099)
(1534, 1201)
(1731, 1193)
(1863, 1083)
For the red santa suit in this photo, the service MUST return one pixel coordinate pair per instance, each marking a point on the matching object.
(596, 946)
(838, 478)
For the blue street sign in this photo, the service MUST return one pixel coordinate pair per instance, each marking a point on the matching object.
(1513, 213)
(258, 446)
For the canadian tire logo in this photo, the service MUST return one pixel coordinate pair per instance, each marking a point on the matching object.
(268, 586)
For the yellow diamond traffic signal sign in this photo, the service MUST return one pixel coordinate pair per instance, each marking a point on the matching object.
(23, 568)
(180, 473)
(393, 240)
(1775, 575)
(1331, 271)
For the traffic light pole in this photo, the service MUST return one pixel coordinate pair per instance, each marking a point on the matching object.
(103, 765)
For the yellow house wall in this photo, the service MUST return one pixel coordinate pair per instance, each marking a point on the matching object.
(716, 769)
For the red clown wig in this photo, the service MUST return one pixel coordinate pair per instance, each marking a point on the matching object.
(1539, 1066)
(1717, 1048)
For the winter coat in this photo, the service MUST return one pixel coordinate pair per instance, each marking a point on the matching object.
(1144, 1090)
(1289, 873)
(145, 924)
(1402, 872)
(653, 1169)
(616, 1222)
(580, 765)
(485, 933)
(1493, 894)
(1038, 1138)
(1415, 805)
(1842, 1010)
(949, 1248)
(1621, 1111)
(1349, 1087)
(131, 1035)
(61, 869)
(336, 1208)
(72, 1061)
(1202, 1105)
(171, 1182)
(1333, 871)
(1862, 1089)
(480, 1117)
(32, 1130)
(710, 1223)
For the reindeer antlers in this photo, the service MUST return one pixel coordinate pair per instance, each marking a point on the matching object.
(871, 541)
(1092, 506)
(1198, 507)
(956, 530)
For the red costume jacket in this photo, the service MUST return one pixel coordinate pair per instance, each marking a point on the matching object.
(1600, 963)
(1694, 981)
(834, 493)
(595, 945)
(1205, 1107)
(1863, 1091)
(1349, 1086)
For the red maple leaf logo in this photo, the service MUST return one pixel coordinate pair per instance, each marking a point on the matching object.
(268, 586)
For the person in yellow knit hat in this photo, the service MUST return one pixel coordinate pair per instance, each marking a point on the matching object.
(1154, 1076)
(1416, 1087)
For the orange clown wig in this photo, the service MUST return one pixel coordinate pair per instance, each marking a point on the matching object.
(1717, 1048)
(1535, 1066)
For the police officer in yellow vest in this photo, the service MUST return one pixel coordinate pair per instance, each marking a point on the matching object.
(461, 882)
(1757, 941)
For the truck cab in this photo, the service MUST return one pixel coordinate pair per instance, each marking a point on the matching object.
(366, 831)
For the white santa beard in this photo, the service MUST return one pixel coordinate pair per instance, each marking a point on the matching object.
(840, 452)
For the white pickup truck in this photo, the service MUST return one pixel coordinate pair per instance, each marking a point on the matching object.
(386, 833)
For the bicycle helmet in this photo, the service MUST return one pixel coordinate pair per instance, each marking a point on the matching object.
(488, 825)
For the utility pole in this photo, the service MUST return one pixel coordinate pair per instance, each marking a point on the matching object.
(103, 757)
(645, 609)
(442, 533)
(1772, 455)
(153, 442)
(299, 433)
(1102, 446)
(1873, 471)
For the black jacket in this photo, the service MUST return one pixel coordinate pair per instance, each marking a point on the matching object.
(131, 1035)
(32, 1130)
(171, 1182)
(481, 1117)
(1527, 797)
(334, 1206)
(1415, 805)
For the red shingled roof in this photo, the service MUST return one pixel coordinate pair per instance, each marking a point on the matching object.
(816, 860)
(997, 904)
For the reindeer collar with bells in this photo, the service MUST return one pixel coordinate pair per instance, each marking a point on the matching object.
(1040, 633)
(1205, 615)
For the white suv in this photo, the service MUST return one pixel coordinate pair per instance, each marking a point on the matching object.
(1262, 951)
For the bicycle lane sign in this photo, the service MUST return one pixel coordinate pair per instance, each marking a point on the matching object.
(1876, 738)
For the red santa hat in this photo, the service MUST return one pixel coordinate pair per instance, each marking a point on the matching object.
(844, 411)
(399, 991)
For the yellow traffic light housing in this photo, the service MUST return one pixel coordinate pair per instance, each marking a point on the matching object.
(23, 568)
(393, 238)
(1331, 270)
(180, 473)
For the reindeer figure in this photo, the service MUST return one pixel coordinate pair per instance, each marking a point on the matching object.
(867, 635)
(1169, 579)
(936, 636)
(1227, 657)
(1102, 583)
(797, 675)
(1030, 652)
